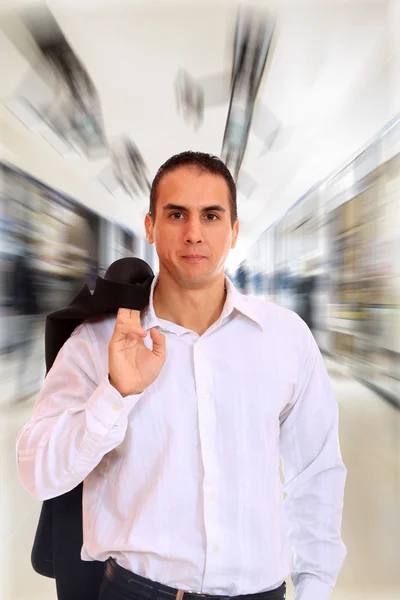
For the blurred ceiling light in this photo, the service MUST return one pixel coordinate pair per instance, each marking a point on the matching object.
(190, 99)
(57, 142)
(24, 112)
(76, 116)
(125, 171)
(253, 37)
(129, 167)
(108, 179)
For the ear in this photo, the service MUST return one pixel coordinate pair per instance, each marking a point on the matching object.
(149, 227)
(235, 233)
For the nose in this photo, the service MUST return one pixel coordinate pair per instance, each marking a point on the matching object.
(193, 233)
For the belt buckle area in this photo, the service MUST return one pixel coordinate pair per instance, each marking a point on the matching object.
(181, 593)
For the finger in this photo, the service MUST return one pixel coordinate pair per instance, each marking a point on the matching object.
(128, 329)
(131, 315)
(159, 343)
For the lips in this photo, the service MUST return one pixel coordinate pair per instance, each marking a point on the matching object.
(193, 257)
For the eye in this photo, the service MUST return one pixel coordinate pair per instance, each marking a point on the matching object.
(211, 217)
(176, 216)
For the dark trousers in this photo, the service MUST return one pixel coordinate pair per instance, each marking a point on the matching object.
(120, 584)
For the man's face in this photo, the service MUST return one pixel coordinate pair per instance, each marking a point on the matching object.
(192, 231)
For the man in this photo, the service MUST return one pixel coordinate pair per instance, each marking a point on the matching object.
(178, 439)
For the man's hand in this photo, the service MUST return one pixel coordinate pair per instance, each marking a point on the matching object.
(132, 366)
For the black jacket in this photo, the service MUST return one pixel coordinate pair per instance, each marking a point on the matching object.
(59, 538)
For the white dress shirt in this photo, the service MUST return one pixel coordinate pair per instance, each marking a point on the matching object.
(182, 482)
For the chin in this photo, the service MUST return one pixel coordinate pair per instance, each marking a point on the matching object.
(193, 275)
(196, 280)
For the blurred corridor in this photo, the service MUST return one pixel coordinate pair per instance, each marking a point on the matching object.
(302, 102)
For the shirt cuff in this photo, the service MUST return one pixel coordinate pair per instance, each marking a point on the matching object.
(108, 406)
(310, 588)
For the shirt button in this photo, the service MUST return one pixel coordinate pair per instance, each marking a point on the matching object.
(215, 549)
(116, 407)
(211, 497)
(208, 446)
(206, 394)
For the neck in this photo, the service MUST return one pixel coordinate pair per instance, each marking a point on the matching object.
(194, 309)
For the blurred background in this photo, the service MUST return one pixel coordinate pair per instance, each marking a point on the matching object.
(302, 102)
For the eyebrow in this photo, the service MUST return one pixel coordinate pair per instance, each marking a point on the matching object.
(213, 208)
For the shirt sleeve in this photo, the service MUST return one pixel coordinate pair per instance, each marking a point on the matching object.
(78, 418)
(314, 476)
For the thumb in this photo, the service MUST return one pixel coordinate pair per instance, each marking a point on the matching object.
(159, 343)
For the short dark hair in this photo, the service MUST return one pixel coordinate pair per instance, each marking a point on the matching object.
(201, 161)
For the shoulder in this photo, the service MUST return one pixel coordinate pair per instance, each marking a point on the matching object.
(281, 327)
(273, 317)
(96, 329)
(88, 345)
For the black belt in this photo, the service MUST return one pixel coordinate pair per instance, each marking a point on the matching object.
(151, 590)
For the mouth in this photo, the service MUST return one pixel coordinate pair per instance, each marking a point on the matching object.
(193, 258)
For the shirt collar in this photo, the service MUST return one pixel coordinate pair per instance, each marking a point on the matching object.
(148, 317)
(246, 305)
(235, 301)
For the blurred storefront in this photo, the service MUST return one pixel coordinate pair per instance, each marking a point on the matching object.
(67, 244)
(336, 254)
(60, 237)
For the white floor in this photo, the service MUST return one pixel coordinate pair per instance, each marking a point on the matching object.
(370, 440)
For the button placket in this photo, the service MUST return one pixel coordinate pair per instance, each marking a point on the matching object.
(207, 428)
